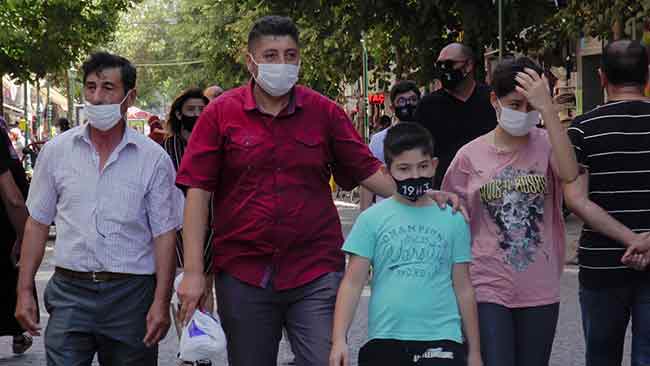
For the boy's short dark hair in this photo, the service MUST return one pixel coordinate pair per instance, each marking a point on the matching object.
(625, 63)
(406, 136)
(503, 77)
(272, 25)
(403, 86)
(99, 61)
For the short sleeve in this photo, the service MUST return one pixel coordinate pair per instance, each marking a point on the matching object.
(352, 158)
(361, 240)
(457, 177)
(43, 197)
(202, 160)
(462, 250)
(376, 145)
(577, 136)
(163, 200)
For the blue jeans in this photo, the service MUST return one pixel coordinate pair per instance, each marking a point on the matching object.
(606, 313)
(517, 336)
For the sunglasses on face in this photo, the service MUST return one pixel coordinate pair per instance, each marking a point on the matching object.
(448, 64)
(402, 101)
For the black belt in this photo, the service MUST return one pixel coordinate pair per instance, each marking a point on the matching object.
(94, 276)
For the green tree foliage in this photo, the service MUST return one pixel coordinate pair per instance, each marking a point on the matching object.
(403, 38)
(597, 17)
(41, 37)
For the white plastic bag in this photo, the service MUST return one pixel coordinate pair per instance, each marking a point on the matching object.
(202, 338)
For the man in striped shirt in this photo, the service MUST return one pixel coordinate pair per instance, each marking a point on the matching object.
(612, 196)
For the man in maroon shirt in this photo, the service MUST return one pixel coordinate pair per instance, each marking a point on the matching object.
(266, 150)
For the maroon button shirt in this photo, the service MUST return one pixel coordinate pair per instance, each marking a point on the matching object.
(273, 211)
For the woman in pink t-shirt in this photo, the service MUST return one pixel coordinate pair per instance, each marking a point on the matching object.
(510, 181)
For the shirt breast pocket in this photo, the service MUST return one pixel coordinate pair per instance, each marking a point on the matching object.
(244, 151)
(309, 151)
(127, 200)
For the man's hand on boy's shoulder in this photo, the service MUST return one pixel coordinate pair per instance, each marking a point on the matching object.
(447, 198)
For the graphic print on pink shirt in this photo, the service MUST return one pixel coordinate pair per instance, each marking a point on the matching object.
(515, 201)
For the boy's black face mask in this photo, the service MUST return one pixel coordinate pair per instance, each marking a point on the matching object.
(413, 188)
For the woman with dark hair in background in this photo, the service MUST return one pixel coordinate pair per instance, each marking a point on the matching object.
(183, 113)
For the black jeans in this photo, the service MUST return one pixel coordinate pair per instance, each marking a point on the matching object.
(517, 337)
(606, 313)
(392, 352)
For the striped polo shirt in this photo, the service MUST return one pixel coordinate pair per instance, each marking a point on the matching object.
(613, 143)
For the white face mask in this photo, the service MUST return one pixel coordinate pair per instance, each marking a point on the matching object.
(104, 116)
(276, 79)
(517, 123)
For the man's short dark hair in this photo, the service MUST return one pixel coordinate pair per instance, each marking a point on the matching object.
(406, 136)
(99, 61)
(384, 121)
(503, 76)
(63, 124)
(403, 86)
(272, 25)
(625, 63)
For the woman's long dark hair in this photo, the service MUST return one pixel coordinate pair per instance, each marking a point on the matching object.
(174, 125)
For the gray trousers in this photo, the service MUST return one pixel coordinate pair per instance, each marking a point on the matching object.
(103, 318)
(253, 319)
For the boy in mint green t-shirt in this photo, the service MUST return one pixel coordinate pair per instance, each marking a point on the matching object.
(422, 298)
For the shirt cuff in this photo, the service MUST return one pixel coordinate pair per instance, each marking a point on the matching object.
(40, 217)
(185, 183)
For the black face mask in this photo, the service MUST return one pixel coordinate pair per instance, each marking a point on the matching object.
(413, 188)
(405, 113)
(449, 77)
(188, 122)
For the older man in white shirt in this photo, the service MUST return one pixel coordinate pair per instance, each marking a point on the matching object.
(111, 193)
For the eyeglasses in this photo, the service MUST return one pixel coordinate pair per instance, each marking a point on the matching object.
(402, 101)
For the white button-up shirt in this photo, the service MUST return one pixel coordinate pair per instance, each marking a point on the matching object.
(105, 220)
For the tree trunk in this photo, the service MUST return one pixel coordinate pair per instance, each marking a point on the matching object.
(48, 111)
(68, 92)
(37, 129)
(2, 96)
(617, 29)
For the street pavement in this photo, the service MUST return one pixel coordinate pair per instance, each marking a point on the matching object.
(568, 348)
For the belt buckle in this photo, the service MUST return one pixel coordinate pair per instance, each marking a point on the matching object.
(95, 279)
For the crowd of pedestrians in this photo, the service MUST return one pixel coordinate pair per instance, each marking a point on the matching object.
(233, 189)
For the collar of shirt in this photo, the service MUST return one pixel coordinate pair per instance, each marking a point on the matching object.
(296, 100)
(128, 138)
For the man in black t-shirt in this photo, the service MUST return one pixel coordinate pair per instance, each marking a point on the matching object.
(612, 196)
(459, 112)
(13, 214)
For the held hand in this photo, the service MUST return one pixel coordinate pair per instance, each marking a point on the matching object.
(339, 356)
(26, 312)
(190, 292)
(158, 322)
(535, 89)
(637, 255)
(444, 198)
